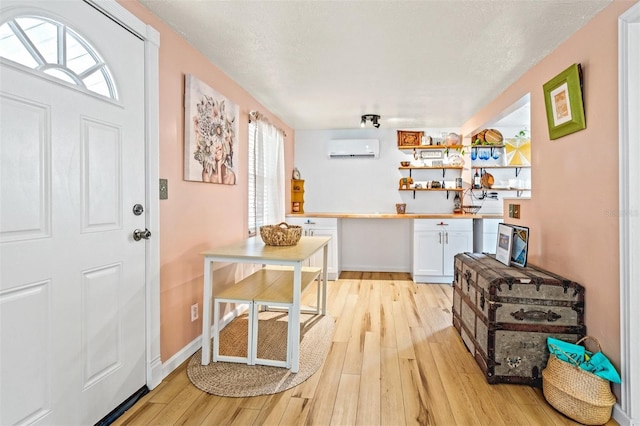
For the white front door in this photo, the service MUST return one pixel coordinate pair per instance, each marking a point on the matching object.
(72, 280)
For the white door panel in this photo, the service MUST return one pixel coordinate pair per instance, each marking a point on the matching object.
(31, 304)
(72, 278)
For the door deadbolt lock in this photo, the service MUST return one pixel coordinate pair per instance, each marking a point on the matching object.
(139, 235)
(138, 209)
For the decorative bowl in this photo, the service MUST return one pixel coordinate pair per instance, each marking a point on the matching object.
(471, 209)
(405, 163)
(456, 160)
(281, 234)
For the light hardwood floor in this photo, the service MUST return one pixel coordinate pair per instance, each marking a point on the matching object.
(395, 360)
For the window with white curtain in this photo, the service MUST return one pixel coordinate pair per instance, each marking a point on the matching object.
(266, 174)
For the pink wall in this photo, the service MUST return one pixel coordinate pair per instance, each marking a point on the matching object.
(197, 215)
(572, 210)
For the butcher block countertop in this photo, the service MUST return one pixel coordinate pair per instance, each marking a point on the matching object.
(398, 216)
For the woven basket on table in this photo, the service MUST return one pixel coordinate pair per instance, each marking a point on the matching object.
(576, 393)
(281, 234)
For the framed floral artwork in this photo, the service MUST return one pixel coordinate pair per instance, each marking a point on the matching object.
(210, 134)
(564, 103)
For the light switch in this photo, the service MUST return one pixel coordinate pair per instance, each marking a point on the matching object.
(514, 211)
(164, 189)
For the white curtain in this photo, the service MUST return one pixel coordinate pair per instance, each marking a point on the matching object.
(266, 174)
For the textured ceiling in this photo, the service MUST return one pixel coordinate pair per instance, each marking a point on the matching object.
(322, 64)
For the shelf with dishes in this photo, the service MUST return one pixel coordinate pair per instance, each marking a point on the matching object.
(485, 181)
(485, 191)
(435, 154)
(433, 189)
(416, 139)
(459, 190)
(518, 168)
(443, 168)
(447, 146)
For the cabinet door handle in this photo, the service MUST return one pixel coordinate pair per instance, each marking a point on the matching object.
(311, 232)
(440, 237)
(446, 237)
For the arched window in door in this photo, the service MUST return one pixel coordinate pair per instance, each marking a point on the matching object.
(53, 48)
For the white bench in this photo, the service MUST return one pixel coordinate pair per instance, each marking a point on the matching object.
(270, 286)
(241, 292)
(321, 290)
(280, 294)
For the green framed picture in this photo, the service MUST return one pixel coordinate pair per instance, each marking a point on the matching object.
(563, 100)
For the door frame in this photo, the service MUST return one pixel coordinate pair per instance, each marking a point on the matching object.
(627, 410)
(151, 39)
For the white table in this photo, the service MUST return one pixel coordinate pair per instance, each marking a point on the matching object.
(253, 250)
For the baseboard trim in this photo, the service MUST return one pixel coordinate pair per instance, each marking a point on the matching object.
(181, 356)
(433, 279)
(371, 268)
(192, 347)
(621, 417)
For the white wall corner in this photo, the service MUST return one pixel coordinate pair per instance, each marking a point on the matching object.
(627, 409)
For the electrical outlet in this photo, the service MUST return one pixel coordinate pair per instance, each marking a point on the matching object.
(194, 312)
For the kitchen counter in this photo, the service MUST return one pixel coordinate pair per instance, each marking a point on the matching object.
(379, 242)
(398, 216)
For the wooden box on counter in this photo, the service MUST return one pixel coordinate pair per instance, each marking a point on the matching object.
(505, 314)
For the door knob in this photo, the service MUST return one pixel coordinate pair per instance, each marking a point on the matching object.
(138, 234)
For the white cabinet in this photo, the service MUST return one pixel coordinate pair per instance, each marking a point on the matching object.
(435, 243)
(322, 227)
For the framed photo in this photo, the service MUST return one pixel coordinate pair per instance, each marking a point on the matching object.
(519, 245)
(503, 245)
(564, 103)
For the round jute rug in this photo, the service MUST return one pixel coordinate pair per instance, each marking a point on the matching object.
(241, 380)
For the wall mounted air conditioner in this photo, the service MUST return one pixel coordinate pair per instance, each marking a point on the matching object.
(353, 148)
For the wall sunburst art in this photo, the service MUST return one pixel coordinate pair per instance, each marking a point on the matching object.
(518, 151)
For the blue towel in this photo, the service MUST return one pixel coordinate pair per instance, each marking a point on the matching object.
(563, 350)
(597, 363)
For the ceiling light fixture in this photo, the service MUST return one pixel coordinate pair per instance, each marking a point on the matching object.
(374, 118)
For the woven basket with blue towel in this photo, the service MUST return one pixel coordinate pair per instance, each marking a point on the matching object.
(577, 382)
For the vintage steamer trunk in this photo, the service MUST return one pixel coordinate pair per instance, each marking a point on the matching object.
(505, 314)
